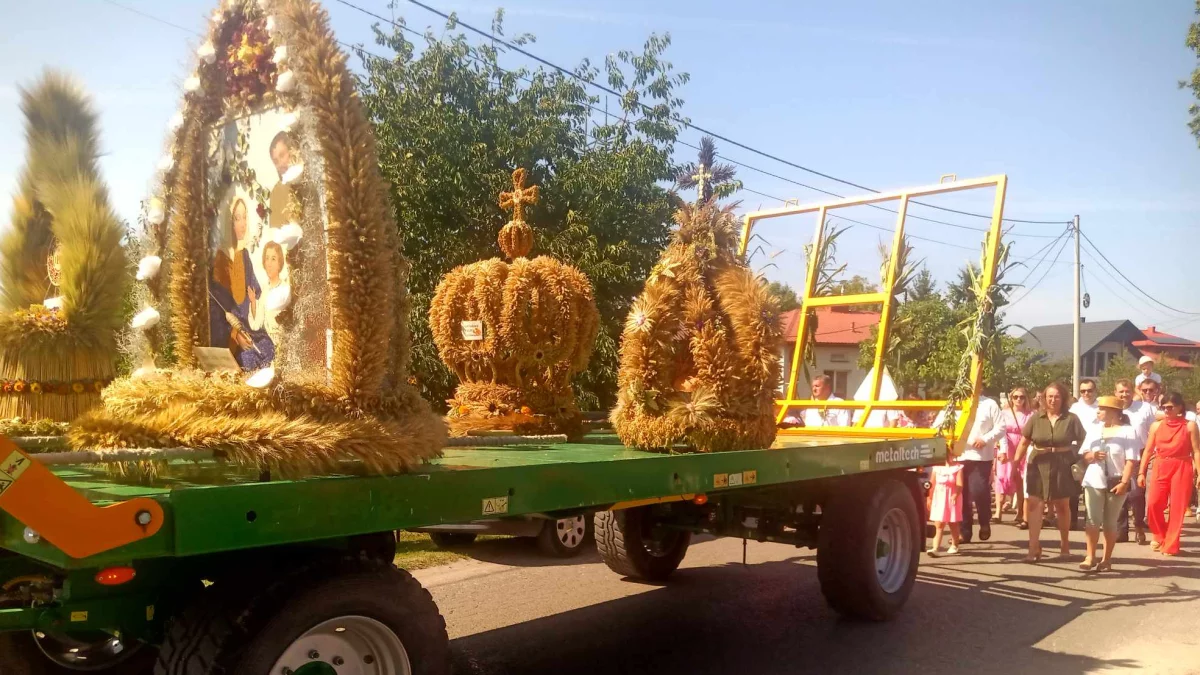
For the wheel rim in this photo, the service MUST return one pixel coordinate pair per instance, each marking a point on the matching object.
(571, 531)
(85, 652)
(893, 550)
(347, 645)
(658, 541)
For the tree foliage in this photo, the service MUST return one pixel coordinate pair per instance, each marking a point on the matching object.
(1193, 43)
(784, 295)
(452, 124)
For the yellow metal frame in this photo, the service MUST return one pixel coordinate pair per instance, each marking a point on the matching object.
(884, 298)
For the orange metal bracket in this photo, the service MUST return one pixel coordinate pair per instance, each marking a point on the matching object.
(32, 494)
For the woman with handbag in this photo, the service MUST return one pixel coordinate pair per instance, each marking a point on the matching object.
(1052, 437)
(1108, 455)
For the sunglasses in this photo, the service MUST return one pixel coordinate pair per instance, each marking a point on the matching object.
(1018, 397)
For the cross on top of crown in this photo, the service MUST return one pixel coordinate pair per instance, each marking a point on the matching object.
(519, 197)
(701, 178)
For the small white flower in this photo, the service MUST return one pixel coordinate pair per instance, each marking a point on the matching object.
(262, 378)
(156, 212)
(293, 172)
(166, 163)
(148, 267)
(286, 82)
(271, 24)
(145, 319)
(289, 121)
(281, 54)
(53, 303)
(279, 298)
(207, 52)
(287, 236)
(191, 84)
(176, 121)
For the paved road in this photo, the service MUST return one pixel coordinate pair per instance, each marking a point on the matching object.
(510, 612)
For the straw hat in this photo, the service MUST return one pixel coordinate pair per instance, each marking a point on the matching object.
(1110, 402)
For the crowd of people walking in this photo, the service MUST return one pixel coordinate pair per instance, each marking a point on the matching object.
(1125, 454)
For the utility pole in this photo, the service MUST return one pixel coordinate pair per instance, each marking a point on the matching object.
(1078, 319)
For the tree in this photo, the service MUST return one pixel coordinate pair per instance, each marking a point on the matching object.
(1193, 42)
(923, 287)
(713, 180)
(853, 286)
(784, 295)
(452, 125)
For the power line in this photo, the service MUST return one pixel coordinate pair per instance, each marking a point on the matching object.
(1130, 281)
(1045, 274)
(1038, 264)
(569, 73)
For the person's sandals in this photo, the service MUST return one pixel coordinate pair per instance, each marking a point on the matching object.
(932, 552)
(953, 550)
(1087, 564)
(1154, 546)
(1022, 525)
(1104, 566)
(1032, 557)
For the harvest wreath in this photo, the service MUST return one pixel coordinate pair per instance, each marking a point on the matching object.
(310, 301)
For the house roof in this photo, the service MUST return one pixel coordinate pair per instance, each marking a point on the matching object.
(833, 327)
(1056, 340)
(1160, 340)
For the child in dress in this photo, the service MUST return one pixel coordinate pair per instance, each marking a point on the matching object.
(945, 505)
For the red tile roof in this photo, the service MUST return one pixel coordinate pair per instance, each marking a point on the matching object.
(1158, 339)
(833, 327)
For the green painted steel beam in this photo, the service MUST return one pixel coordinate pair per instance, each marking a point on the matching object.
(226, 510)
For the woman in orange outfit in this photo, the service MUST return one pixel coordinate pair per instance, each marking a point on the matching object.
(1173, 445)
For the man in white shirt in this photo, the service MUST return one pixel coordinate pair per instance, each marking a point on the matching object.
(1085, 408)
(1141, 415)
(986, 437)
(822, 390)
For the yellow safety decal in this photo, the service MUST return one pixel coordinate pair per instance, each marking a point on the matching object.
(77, 617)
(14, 465)
(720, 480)
(749, 477)
(149, 612)
(494, 506)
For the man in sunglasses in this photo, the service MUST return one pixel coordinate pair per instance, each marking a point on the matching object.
(1141, 415)
(1085, 408)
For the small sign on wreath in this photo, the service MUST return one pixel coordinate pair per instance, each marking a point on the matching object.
(472, 330)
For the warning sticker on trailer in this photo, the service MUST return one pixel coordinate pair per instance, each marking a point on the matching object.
(721, 480)
(14, 466)
(494, 506)
(5, 484)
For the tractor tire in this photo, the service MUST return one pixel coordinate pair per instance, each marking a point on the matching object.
(565, 537)
(354, 609)
(868, 548)
(452, 539)
(20, 654)
(631, 545)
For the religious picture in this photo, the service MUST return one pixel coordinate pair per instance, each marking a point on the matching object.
(253, 158)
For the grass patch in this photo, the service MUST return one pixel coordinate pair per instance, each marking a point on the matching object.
(416, 551)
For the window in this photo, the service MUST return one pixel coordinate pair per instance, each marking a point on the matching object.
(840, 379)
(1087, 365)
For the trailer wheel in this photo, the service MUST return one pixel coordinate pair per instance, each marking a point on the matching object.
(452, 539)
(868, 549)
(633, 545)
(37, 653)
(359, 614)
(565, 537)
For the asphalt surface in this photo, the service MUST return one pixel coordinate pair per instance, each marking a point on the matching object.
(510, 611)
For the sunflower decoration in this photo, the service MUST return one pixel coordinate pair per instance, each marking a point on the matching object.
(250, 72)
(515, 333)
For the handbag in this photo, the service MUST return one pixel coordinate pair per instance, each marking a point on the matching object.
(1078, 469)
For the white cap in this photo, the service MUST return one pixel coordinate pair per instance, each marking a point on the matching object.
(1145, 359)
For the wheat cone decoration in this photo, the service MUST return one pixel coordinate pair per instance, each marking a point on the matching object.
(515, 333)
(699, 359)
(62, 266)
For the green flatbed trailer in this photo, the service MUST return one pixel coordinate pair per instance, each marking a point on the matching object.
(249, 574)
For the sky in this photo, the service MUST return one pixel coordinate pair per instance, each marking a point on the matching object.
(1076, 102)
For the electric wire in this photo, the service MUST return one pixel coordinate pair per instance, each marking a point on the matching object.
(680, 120)
(1130, 281)
(1029, 290)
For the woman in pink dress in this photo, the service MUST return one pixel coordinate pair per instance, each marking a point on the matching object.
(945, 505)
(1010, 477)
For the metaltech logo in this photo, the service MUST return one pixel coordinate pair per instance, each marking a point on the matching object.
(898, 454)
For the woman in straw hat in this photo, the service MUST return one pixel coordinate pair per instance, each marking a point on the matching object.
(1110, 452)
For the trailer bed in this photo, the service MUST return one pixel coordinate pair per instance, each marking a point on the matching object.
(215, 508)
